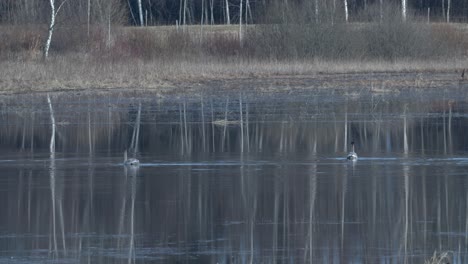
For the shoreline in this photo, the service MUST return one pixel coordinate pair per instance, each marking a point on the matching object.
(65, 75)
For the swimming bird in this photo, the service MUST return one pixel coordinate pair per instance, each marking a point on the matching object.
(130, 161)
(352, 155)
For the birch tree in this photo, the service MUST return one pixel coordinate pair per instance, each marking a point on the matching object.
(346, 10)
(228, 18)
(140, 11)
(240, 22)
(448, 10)
(211, 12)
(403, 10)
(89, 14)
(53, 15)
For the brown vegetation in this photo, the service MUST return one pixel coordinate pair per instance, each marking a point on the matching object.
(163, 57)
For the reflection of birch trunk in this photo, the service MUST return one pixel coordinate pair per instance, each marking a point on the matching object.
(344, 189)
(281, 137)
(32, 132)
(122, 211)
(447, 220)
(378, 127)
(247, 126)
(407, 194)
(286, 217)
(466, 220)
(187, 148)
(23, 138)
(252, 228)
(181, 125)
(374, 203)
(52, 175)
(109, 127)
(405, 131)
(225, 125)
(444, 129)
(335, 128)
(422, 135)
(424, 206)
(137, 137)
(439, 216)
(52, 119)
(450, 127)
(29, 199)
(312, 196)
(131, 247)
(345, 145)
(90, 139)
(212, 127)
(52, 194)
(136, 132)
(203, 125)
(275, 218)
(241, 123)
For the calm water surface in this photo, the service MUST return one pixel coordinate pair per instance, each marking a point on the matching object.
(235, 178)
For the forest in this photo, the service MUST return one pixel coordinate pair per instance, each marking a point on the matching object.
(170, 12)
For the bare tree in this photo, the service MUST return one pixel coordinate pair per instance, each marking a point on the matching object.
(403, 9)
(240, 21)
(211, 12)
(140, 11)
(448, 10)
(53, 16)
(228, 18)
(346, 10)
(89, 14)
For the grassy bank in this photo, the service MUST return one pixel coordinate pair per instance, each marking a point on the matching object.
(164, 58)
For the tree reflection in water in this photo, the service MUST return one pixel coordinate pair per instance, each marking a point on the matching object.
(234, 178)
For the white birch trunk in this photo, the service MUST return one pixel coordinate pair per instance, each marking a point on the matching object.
(89, 14)
(448, 10)
(51, 28)
(346, 10)
(109, 29)
(403, 10)
(185, 12)
(53, 15)
(140, 10)
(248, 12)
(228, 18)
(240, 21)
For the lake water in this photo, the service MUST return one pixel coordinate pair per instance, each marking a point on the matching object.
(274, 188)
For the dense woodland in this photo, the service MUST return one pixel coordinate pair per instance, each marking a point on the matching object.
(170, 12)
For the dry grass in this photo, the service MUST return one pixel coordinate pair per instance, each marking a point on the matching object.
(82, 73)
(164, 59)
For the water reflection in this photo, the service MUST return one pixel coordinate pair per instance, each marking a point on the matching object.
(234, 178)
